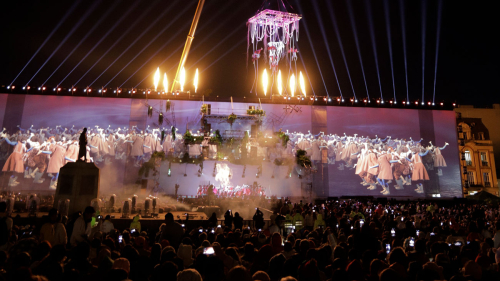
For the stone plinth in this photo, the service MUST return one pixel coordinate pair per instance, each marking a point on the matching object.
(78, 182)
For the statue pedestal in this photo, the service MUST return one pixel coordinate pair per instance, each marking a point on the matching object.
(78, 182)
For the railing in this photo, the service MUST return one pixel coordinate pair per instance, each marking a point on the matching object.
(468, 163)
(484, 163)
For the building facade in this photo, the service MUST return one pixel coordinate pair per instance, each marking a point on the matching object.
(477, 156)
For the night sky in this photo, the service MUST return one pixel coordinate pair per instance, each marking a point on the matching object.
(467, 68)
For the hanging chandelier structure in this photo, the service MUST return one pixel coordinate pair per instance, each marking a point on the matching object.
(276, 33)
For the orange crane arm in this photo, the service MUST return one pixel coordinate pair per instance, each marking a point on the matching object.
(189, 40)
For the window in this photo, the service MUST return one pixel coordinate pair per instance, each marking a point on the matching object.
(481, 136)
(484, 159)
(466, 132)
(486, 179)
(471, 178)
(468, 159)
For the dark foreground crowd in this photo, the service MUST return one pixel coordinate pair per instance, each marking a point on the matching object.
(336, 240)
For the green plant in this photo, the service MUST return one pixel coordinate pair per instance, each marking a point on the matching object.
(256, 112)
(152, 164)
(302, 159)
(231, 118)
(190, 139)
(204, 109)
(284, 138)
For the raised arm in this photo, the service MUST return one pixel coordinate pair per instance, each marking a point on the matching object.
(10, 142)
(423, 154)
(445, 145)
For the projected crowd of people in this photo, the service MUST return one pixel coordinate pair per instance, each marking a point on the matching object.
(376, 162)
(333, 240)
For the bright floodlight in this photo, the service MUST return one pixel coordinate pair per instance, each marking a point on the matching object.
(195, 83)
(157, 78)
(182, 78)
(302, 83)
(292, 84)
(165, 82)
(264, 81)
(280, 86)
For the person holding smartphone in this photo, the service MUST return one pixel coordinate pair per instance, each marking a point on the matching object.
(82, 228)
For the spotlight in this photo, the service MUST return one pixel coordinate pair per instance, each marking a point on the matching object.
(100, 91)
(352, 100)
(315, 99)
(28, 87)
(416, 103)
(355, 101)
(302, 98)
(8, 87)
(133, 91)
(395, 102)
(104, 90)
(378, 101)
(329, 99)
(43, 88)
(288, 98)
(382, 102)
(454, 104)
(58, 89)
(429, 103)
(311, 98)
(39, 88)
(84, 90)
(54, 89)
(338, 100)
(74, 89)
(390, 102)
(177, 93)
(423, 103)
(143, 93)
(441, 104)
(364, 101)
(114, 91)
(119, 91)
(24, 88)
(324, 99)
(342, 100)
(149, 92)
(129, 92)
(284, 98)
(69, 90)
(433, 104)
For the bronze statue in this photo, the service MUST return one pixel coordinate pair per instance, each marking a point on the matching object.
(83, 146)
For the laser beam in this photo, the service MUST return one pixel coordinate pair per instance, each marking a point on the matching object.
(66, 15)
(157, 51)
(314, 54)
(374, 46)
(403, 30)
(135, 41)
(104, 37)
(423, 5)
(80, 21)
(101, 19)
(154, 39)
(389, 41)
(438, 36)
(137, 20)
(337, 34)
(356, 40)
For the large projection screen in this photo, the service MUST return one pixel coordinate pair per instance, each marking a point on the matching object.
(409, 133)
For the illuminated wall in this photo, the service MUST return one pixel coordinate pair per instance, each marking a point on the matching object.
(436, 126)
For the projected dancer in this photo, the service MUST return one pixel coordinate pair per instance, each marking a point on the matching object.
(82, 150)
(438, 158)
(419, 172)
(384, 176)
(15, 161)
